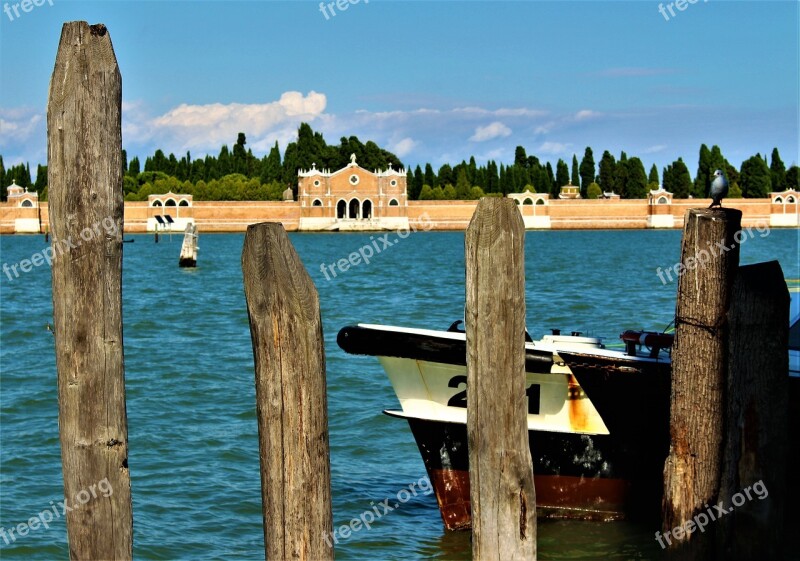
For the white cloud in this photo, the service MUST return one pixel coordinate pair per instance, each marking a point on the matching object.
(403, 146)
(490, 131)
(654, 149)
(554, 147)
(207, 127)
(584, 114)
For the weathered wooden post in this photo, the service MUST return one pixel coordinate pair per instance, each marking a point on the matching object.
(500, 468)
(757, 436)
(709, 259)
(84, 151)
(188, 256)
(291, 402)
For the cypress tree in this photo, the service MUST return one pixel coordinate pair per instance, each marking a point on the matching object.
(587, 169)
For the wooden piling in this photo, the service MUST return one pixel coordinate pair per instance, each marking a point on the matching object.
(188, 256)
(500, 468)
(84, 150)
(709, 260)
(291, 402)
(757, 433)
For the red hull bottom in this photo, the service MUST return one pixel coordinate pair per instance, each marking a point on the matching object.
(557, 496)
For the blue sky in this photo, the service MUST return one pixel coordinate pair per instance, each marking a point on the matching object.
(433, 81)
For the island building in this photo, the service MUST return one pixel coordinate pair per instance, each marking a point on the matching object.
(534, 208)
(659, 209)
(785, 208)
(352, 198)
(569, 191)
(26, 213)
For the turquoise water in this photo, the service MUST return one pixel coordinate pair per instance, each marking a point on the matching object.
(191, 398)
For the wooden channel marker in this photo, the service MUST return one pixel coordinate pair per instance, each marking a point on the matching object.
(500, 467)
(84, 172)
(291, 397)
(188, 256)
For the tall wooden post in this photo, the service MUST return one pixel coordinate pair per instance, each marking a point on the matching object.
(500, 467)
(709, 259)
(757, 420)
(291, 402)
(84, 151)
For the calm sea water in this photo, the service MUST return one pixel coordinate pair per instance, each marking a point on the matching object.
(191, 398)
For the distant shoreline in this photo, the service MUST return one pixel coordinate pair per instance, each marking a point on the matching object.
(576, 214)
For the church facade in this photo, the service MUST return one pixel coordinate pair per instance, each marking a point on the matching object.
(352, 199)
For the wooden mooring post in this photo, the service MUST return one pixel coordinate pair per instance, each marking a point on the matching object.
(291, 402)
(500, 468)
(709, 260)
(754, 478)
(84, 148)
(188, 256)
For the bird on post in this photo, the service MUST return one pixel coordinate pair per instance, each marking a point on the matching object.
(719, 189)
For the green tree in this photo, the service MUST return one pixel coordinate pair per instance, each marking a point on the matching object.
(445, 175)
(430, 177)
(777, 171)
(133, 167)
(735, 192)
(755, 178)
(463, 186)
(587, 169)
(2, 180)
(520, 158)
(792, 178)
(41, 179)
(426, 194)
(593, 191)
(636, 187)
(621, 176)
(449, 192)
(676, 179)
(607, 172)
(562, 173)
(575, 177)
(653, 177)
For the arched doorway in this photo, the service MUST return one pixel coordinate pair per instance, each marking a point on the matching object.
(341, 209)
(366, 209)
(354, 207)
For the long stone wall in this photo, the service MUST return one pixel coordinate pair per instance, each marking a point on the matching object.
(234, 216)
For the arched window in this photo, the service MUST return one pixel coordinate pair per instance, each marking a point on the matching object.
(26, 203)
(341, 209)
(183, 202)
(527, 201)
(789, 200)
(353, 208)
(316, 202)
(366, 209)
(779, 200)
(170, 202)
(156, 203)
(394, 202)
(539, 201)
(661, 201)
(518, 202)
